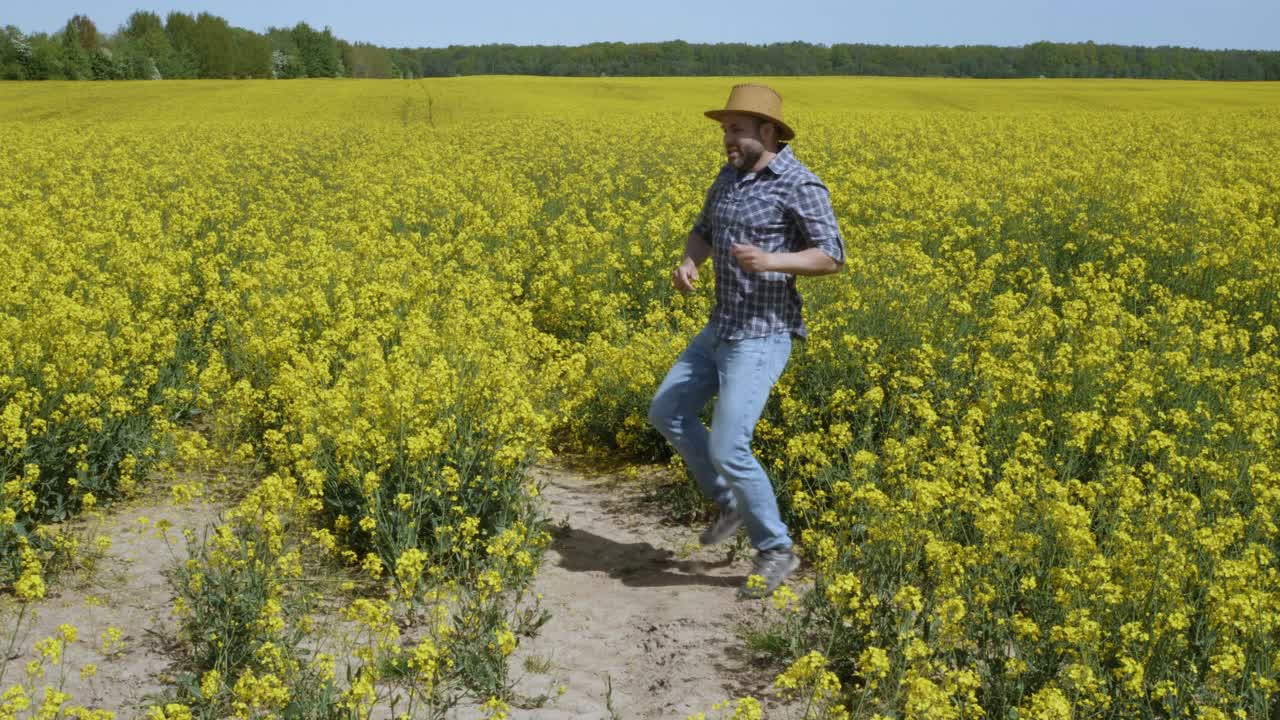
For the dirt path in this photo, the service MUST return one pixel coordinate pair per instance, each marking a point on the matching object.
(644, 624)
(644, 621)
(128, 592)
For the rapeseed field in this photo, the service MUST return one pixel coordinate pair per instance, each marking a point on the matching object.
(1031, 448)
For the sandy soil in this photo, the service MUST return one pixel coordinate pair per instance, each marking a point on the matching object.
(127, 590)
(644, 624)
(644, 621)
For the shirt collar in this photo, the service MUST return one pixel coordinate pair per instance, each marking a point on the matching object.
(782, 161)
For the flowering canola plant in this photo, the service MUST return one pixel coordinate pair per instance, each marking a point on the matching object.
(1030, 449)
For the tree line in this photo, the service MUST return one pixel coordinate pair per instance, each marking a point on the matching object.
(184, 45)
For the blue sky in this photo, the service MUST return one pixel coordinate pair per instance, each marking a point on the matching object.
(1241, 24)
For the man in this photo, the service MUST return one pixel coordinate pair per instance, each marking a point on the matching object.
(766, 219)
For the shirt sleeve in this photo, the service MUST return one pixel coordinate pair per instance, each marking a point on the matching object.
(810, 207)
(702, 224)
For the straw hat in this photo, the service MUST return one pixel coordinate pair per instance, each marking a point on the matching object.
(758, 101)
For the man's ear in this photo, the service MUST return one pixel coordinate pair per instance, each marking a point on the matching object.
(769, 133)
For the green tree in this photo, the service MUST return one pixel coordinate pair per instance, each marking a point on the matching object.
(81, 31)
(286, 63)
(146, 46)
(318, 51)
(363, 60)
(1041, 58)
(15, 54)
(214, 46)
(252, 54)
(183, 62)
(76, 39)
(45, 61)
(207, 46)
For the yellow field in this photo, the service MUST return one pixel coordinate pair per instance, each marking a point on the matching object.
(1032, 447)
(465, 100)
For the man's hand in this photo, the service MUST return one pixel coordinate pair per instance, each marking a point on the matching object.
(751, 258)
(684, 276)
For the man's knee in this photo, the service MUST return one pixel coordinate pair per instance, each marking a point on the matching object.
(730, 454)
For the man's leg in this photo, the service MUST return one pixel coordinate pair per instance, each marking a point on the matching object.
(748, 369)
(690, 383)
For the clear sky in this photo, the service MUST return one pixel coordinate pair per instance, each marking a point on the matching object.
(1213, 24)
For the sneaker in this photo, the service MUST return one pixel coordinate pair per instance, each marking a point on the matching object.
(768, 570)
(723, 528)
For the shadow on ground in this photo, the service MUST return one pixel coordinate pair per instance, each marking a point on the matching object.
(638, 564)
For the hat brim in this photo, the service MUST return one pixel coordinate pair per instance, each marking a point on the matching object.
(785, 132)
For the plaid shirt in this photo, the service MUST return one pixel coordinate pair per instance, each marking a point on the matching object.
(782, 208)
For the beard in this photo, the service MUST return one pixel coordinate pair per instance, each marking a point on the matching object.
(747, 157)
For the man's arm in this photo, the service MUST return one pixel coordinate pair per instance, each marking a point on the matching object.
(811, 261)
(696, 251)
(810, 208)
(696, 248)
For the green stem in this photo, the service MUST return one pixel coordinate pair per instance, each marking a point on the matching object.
(13, 641)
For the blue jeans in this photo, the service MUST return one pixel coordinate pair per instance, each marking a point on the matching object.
(741, 373)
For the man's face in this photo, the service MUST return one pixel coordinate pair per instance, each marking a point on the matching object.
(743, 143)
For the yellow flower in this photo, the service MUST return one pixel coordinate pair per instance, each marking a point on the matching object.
(210, 684)
(495, 709)
(1048, 703)
(111, 641)
(30, 584)
(506, 641)
(748, 708)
